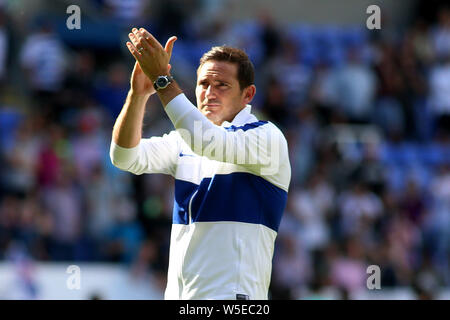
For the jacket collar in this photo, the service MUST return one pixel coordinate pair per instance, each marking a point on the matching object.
(244, 116)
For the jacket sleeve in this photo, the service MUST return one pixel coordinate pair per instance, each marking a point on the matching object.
(153, 155)
(259, 147)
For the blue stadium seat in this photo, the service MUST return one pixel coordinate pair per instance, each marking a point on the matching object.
(9, 121)
(353, 37)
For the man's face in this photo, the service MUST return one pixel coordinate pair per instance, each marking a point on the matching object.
(219, 96)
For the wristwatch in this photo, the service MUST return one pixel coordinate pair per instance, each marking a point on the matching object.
(162, 82)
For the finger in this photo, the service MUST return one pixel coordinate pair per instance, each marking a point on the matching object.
(169, 66)
(134, 42)
(169, 45)
(142, 42)
(138, 42)
(139, 38)
(133, 51)
(151, 39)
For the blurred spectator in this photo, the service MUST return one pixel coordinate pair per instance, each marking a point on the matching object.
(380, 256)
(358, 206)
(9, 209)
(441, 34)
(291, 268)
(421, 42)
(80, 80)
(275, 105)
(35, 227)
(126, 235)
(43, 58)
(312, 206)
(63, 199)
(389, 109)
(100, 207)
(51, 154)
(4, 46)
(417, 116)
(324, 95)
(370, 170)
(112, 91)
(24, 285)
(355, 86)
(127, 13)
(21, 160)
(348, 271)
(438, 221)
(403, 238)
(302, 141)
(294, 77)
(270, 36)
(88, 147)
(427, 282)
(413, 203)
(440, 93)
(172, 17)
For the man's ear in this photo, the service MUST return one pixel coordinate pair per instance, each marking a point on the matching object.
(249, 93)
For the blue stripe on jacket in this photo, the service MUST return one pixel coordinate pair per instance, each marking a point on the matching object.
(247, 126)
(239, 197)
(183, 193)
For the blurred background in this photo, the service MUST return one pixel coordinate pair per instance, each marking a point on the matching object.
(366, 114)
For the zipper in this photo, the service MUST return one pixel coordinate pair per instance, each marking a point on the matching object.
(190, 204)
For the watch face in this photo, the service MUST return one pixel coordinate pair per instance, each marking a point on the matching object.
(161, 82)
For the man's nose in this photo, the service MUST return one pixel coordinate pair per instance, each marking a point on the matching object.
(210, 92)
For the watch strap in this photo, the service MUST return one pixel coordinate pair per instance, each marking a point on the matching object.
(169, 78)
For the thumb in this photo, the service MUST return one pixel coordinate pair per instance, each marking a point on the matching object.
(169, 45)
(136, 66)
(137, 70)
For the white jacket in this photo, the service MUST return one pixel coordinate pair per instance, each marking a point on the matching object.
(227, 207)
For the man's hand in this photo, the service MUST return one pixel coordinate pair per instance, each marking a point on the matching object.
(152, 57)
(141, 85)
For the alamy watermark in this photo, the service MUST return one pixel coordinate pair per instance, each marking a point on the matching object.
(73, 282)
(374, 280)
(374, 20)
(74, 20)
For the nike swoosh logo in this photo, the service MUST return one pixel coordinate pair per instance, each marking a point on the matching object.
(185, 155)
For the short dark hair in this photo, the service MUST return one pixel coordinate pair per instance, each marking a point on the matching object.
(245, 68)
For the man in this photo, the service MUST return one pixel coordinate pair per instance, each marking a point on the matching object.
(231, 171)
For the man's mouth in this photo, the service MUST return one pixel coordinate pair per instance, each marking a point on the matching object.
(211, 106)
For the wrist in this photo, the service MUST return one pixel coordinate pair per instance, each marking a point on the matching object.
(138, 98)
(167, 94)
(155, 76)
(136, 95)
(162, 82)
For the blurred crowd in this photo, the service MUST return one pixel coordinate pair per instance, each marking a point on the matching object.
(366, 115)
